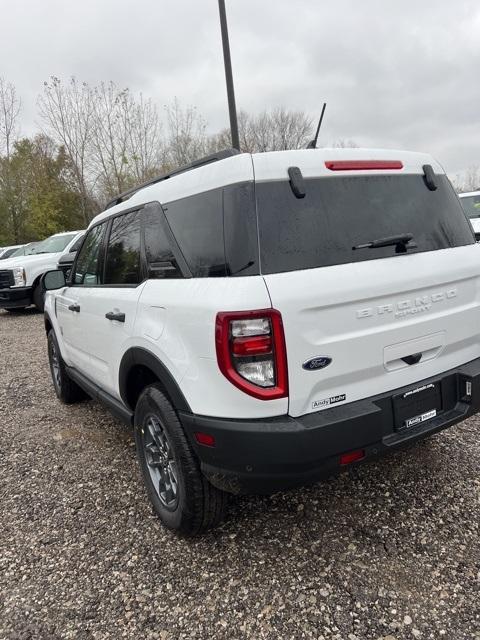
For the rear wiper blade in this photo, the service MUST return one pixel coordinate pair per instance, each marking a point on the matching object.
(400, 242)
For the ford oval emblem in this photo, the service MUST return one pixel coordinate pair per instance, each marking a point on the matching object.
(320, 362)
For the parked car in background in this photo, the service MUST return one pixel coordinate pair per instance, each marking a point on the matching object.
(264, 320)
(20, 276)
(25, 250)
(471, 204)
(7, 252)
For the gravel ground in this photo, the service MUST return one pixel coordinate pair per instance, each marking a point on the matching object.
(390, 550)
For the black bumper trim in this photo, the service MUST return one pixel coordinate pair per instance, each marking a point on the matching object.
(265, 455)
(16, 297)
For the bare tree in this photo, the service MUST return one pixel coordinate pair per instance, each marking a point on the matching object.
(127, 140)
(467, 181)
(471, 180)
(146, 144)
(276, 130)
(10, 106)
(187, 139)
(344, 143)
(110, 136)
(67, 114)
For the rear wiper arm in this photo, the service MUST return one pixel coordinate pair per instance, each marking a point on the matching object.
(400, 243)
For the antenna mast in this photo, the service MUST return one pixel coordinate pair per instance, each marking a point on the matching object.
(313, 143)
(229, 76)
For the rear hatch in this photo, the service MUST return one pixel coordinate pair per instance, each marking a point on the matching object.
(363, 321)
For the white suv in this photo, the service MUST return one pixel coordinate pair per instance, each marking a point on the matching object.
(265, 320)
(20, 276)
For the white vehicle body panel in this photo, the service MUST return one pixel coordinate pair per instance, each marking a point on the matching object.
(172, 319)
(368, 316)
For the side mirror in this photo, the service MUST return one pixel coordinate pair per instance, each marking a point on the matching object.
(53, 280)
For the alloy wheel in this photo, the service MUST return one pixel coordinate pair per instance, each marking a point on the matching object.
(55, 366)
(160, 462)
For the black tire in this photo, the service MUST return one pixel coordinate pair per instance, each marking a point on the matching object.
(192, 505)
(38, 297)
(17, 310)
(66, 389)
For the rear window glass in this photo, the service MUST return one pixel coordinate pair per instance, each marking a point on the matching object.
(240, 230)
(471, 205)
(161, 260)
(197, 224)
(340, 213)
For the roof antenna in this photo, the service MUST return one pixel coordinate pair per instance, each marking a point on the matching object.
(313, 143)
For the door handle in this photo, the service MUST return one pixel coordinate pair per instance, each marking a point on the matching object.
(119, 317)
(413, 359)
(74, 307)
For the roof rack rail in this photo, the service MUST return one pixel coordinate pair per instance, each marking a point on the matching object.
(214, 157)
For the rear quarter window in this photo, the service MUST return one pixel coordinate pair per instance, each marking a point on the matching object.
(197, 224)
(339, 213)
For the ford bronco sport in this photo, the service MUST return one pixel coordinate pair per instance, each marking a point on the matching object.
(265, 320)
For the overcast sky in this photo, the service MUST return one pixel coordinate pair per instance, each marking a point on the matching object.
(394, 74)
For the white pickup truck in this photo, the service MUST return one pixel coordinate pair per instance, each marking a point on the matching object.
(471, 204)
(20, 277)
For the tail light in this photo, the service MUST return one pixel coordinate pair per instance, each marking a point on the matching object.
(352, 456)
(363, 165)
(251, 352)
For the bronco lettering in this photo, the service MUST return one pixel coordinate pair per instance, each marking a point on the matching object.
(408, 307)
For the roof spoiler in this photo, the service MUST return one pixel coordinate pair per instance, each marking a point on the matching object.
(214, 157)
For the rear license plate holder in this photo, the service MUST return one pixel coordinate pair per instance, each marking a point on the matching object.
(416, 406)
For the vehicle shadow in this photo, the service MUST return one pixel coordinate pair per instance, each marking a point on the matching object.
(20, 313)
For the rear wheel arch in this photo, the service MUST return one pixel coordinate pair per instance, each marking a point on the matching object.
(139, 368)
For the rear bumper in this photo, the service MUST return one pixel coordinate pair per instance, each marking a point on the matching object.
(15, 297)
(263, 456)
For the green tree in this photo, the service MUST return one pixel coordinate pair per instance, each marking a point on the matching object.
(41, 192)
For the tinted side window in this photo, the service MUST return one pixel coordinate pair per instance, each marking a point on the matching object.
(197, 224)
(161, 261)
(87, 265)
(123, 262)
(241, 236)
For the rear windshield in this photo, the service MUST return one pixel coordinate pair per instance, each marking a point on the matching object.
(340, 213)
(471, 205)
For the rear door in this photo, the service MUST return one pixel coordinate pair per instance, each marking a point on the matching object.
(363, 321)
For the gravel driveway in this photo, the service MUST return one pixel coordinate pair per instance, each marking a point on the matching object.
(391, 550)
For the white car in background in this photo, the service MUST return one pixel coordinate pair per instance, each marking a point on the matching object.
(6, 252)
(20, 276)
(471, 204)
